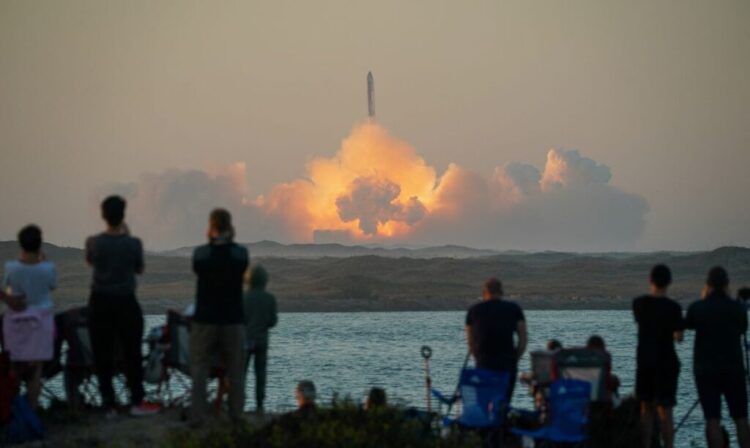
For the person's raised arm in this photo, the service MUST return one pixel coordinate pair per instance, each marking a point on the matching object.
(274, 314)
(679, 327)
(89, 250)
(522, 338)
(690, 318)
(53, 277)
(469, 340)
(469, 333)
(15, 303)
(139, 263)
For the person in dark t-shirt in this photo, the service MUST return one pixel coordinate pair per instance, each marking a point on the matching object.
(218, 325)
(719, 323)
(660, 324)
(115, 316)
(490, 327)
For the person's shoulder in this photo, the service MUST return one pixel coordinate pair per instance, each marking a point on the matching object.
(640, 299)
(202, 251)
(672, 303)
(12, 265)
(93, 239)
(47, 265)
(511, 304)
(696, 305)
(134, 240)
(476, 307)
(238, 251)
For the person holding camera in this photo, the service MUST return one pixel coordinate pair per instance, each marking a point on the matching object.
(218, 326)
(660, 324)
(720, 323)
(116, 318)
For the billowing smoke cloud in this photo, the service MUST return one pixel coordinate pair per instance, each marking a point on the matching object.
(377, 189)
(372, 203)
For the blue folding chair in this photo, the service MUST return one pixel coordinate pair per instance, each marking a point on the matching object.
(568, 413)
(484, 398)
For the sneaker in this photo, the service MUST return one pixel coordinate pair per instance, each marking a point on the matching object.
(144, 408)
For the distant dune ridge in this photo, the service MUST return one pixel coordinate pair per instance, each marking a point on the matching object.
(332, 277)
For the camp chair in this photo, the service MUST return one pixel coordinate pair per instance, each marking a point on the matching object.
(78, 368)
(174, 383)
(568, 414)
(542, 367)
(484, 398)
(591, 366)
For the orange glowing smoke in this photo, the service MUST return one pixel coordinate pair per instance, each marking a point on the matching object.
(375, 186)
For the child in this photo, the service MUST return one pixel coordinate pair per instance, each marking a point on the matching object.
(28, 324)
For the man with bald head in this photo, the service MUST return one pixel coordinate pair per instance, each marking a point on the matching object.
(490, 329)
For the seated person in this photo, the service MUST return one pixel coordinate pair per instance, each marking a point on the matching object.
(376, 399)
(305, 395)
(554, 345)
(596, 342)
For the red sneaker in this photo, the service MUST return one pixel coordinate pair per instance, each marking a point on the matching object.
(143, 409)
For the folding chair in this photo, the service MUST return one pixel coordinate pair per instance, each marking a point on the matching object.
(591, 366)
(484, 398)
(568, 414)
(175, 383)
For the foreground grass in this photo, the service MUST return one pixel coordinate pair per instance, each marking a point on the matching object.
(338, 426)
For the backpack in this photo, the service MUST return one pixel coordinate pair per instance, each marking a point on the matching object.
(24, 424)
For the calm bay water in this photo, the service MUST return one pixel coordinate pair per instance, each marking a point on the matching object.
(350, 352)
(347, 353)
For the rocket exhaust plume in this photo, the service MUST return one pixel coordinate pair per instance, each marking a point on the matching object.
(378, 188)
(370, 96)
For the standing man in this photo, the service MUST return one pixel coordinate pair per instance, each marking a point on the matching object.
(719, 323)
(260, 316)
(115, 317)
(660, 324)
(218, 325)
(490, 327)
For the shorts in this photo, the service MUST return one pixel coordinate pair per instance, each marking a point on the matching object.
(730, 383)
(657, 384)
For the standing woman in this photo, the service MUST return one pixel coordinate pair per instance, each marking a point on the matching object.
(28, 325)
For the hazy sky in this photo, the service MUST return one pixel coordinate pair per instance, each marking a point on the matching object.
(97, 93)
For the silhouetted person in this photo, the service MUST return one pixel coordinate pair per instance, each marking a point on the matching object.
(260, 316)
(305, 395)
(490, 326)
(660, 324)
(719, 323)
(612, 382)
(218, 325)
(115, 317)
(376, 398)
(554, 345)
(29, 323)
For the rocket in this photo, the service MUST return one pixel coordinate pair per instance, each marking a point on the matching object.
(370, 96)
